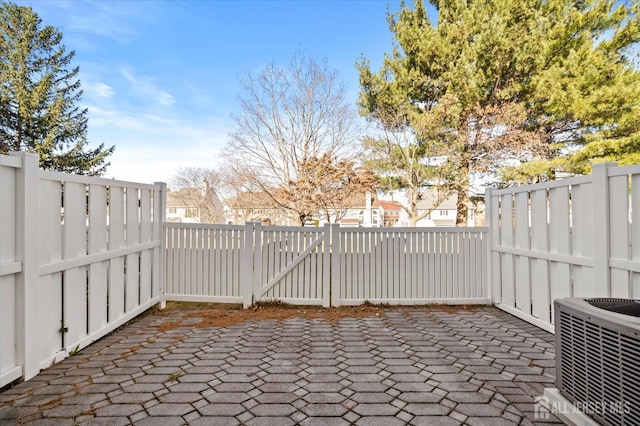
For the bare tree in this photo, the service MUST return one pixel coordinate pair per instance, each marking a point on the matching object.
(199, 187)
(328, 186)
(288, 116)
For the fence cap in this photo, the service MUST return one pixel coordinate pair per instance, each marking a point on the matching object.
(605, 164)
(23, 154)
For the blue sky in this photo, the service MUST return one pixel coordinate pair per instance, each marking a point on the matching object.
(160, 79)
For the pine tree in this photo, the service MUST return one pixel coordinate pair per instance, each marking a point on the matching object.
(40, 95)
(547, 85)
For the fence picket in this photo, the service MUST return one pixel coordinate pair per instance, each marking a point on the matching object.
(10, 365)
(582, 241)
(132, 267)
(522, 265)
(145, 237)
(541, 290)
(50, 286)
(116, 241)
(560, 241)
(635, 234)
(98, 292)
(75, 279)
(619, 234)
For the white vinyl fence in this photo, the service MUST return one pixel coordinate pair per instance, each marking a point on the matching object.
(247, 263)
(205, 263)
(329, 266)
(79, 256)
(409, 266)
(572, 237)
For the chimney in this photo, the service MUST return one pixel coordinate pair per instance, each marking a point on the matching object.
(368, 215)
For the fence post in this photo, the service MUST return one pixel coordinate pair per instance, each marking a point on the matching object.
(247, 269)
(160, 232)
(258, 247)
(488, 244)
(601, 227)
(335, 264)
(326, 266)
(27, 179)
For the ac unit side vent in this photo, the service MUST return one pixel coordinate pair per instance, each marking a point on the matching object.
(598, 361)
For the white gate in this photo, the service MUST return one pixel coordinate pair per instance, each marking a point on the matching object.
(291, 264)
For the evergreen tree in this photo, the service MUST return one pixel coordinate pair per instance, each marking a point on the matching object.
(39, 96)
(527, 83)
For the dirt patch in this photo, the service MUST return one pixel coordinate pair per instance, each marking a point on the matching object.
(219, 315)
(224, 316)
(166, 326)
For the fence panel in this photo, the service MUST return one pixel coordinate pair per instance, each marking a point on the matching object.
(207, 262)
(63, 245)
(624, 202)
(409, 265)
(95, 269)
(10, 265)
(582, 241)
(204, 262)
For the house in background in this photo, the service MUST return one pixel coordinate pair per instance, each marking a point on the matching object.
(178, 210)
(255, 207)
(358, 210)
(194, 205)
(443, 215)
(390, 212)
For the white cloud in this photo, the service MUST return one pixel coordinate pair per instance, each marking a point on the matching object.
(100, 90)
(106, 19)
(147, 87)
(150, 147)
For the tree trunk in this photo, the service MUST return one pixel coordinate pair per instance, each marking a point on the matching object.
(462, 207)
(413, 204)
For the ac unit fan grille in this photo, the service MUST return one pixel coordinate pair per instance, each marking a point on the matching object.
(620, 306)
(600, 370)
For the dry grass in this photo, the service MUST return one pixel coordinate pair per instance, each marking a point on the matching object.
(224, 315)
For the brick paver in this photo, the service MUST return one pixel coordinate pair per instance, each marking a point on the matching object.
(414, 366)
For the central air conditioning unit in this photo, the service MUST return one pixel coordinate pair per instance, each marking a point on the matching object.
(598, 357)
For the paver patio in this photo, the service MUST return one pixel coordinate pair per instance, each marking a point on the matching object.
(428, 365)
